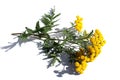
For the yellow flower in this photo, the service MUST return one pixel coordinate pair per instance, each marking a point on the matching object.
(92, 59)
(88, 59)
(77, 64)
(92, 50)
(89, 47)
(85, 58)
(78, 28)
(97, 31)
(82, 57)
(93, 54)
(83, 62)
(102, 43)
(77, 69)
(81, 71)
(79, 18)
(99, 46)
(78, 23)
(92, 39)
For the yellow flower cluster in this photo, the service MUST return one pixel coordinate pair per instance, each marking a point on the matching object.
(81, 61)
(97, 41)
(82, 57)
(78, 23)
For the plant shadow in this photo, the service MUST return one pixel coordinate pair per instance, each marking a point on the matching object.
(68, 68)
(19, 42)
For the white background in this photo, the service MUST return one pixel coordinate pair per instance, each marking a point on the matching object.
(23, 63)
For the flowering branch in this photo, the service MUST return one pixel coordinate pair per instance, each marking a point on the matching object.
(82, 47)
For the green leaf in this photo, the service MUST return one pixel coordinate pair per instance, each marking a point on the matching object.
(56, 16)
(90, 34)
(72, 24)
(85, 33)
(58, 60)
(37, 26)
(23, 36)
(55, 25)
(51, 62)
(45, 20)
(45, 29)
(54, 21)
(30, 31)
(49, 16)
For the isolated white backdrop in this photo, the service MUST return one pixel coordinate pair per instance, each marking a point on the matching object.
(23, 63)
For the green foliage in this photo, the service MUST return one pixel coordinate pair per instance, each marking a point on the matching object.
(49, 21)
(54, 47)
(23, 36)
(52, 50)
(29, 31)
(37, 27)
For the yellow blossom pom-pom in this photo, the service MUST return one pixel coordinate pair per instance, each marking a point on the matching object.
(78, 23)
(77, 69)
(88, 59)
(82, 57)
(81, 71)
(79, 18)
(97, 31)
(77, 64)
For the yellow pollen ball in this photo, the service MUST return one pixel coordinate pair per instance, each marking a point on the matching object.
(82, 57)
(77, 64)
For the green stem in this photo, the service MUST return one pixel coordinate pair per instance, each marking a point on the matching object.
(41, 35)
